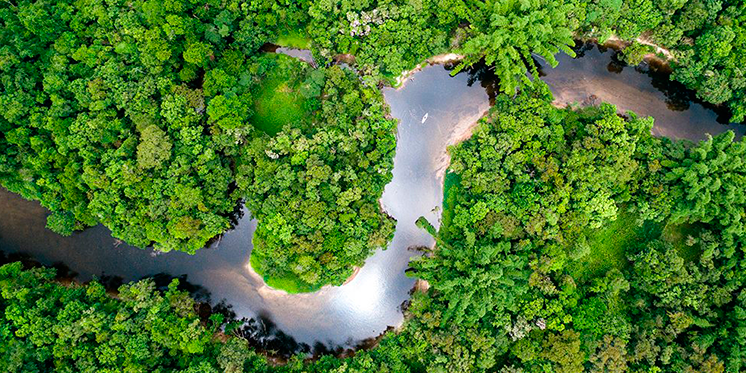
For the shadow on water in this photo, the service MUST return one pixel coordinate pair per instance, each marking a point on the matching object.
(677, 96)
(260, 331)
(333, 319)
(62, 271)
(598, 74)
(263, 334)
(197, 292)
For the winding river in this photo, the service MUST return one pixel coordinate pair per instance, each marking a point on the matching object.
(435, 110)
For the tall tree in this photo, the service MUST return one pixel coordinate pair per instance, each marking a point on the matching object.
(507, 33)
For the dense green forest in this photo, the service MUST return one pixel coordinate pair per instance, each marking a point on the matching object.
(139, 116)
(706, 39)
(156, 118)
(45, 326)
(524, 276)
(525, 264)
(571, 238)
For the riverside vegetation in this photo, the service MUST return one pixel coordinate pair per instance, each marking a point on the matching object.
(155, 118)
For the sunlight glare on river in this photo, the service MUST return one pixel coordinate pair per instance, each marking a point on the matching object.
(363, 294)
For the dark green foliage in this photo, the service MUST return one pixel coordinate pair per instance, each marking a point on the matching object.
(45, 326)
(531, 179)
(707, 40)
(142, 116)
(501, 292)
(61, 222)
(532, 183)
(713, 65)
(681, 309)
(138, 116)
(707, 185)
(552, 172)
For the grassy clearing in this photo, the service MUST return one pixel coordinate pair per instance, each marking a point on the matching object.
(293, 39)
(451, 189)
(677, 235)
(277, 100)
(289, 283)
(609, 246)
(449, 194)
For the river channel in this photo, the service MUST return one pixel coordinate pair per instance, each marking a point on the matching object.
(435, 110)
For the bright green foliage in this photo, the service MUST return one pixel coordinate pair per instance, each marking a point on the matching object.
(552, 172)
(142, 116)
(636, 52)
(385, 37)
(532, 177)
(523, 193)
(531, 183)
(483, 279)
(708, 185)
(682, 310)
(154, 148)
(106, 122)
(229, 112)
(713, 66)
(282, 93)
(603, 249)
(61, 222)
(197, 53)
(45, 326)
(508, 32)
(601, 15)
(315, 187)
(293, 39)
(697, 184)
(136, 116)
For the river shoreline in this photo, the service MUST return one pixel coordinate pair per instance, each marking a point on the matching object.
(621, 44)
(440, 59)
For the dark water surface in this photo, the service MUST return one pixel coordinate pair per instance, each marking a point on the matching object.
(597, 75)
(435, 110)
(301, 54)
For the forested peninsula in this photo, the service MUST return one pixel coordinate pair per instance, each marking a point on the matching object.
(571, 238)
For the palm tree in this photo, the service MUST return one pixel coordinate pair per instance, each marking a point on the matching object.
(507, 32)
